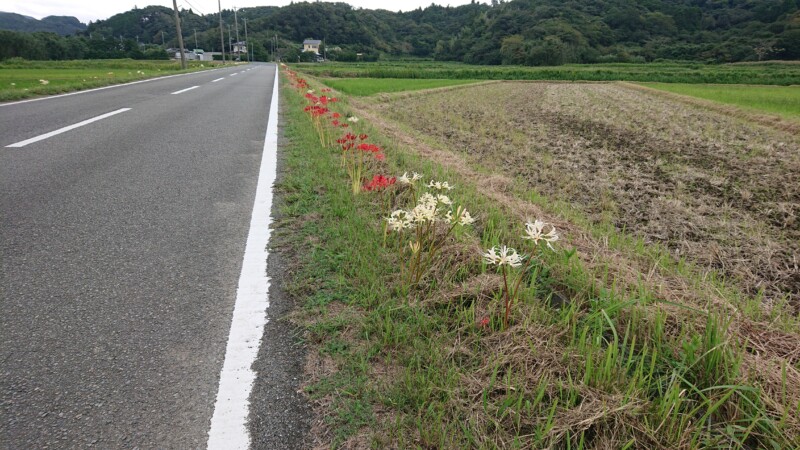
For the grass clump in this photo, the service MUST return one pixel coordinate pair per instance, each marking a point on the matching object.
(585, 360)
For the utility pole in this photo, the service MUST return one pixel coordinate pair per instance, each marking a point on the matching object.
(221, 32)
(180, 36)
(162, 40)
(236, 24)
(230, 44)
(195, 38)
(246, 43)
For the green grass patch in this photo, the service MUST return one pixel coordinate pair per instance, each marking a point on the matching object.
(765, 74)
(23, 79)
(780, 100)
(371, 86)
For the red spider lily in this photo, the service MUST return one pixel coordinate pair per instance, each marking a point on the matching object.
(336, 115)
(484, 323)
(379, 182)
(335, 123)
(380, 156)
(326, 89)
(333, 99)
(316, 110)
(362, 137)
(344, 125)
(369, 148)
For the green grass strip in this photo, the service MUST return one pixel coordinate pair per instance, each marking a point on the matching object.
(371, 86)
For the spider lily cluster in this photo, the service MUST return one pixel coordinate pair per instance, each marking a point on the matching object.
(506, 257)
(423, 229)
(358, 155)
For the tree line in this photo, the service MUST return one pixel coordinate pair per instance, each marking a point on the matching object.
(525, 32)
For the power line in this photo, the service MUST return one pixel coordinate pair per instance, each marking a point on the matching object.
(194, 8)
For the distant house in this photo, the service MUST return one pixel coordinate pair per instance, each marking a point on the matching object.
(311, 45)
(239, 48)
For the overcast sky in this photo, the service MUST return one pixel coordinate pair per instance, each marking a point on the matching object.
(86, 10)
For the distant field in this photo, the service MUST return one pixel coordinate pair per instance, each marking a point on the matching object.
(22, 79)
(766, 73)
(781, 100)
(370, 86)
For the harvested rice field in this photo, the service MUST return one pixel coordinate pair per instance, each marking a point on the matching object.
(717, 191)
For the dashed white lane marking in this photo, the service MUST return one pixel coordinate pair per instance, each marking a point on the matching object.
(67, 128)
(234, 74)
(218, 79)
(229, 421)
(184, 90)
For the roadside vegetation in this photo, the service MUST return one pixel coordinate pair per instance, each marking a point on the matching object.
(775, 73)
(430, 327)
(21, 79)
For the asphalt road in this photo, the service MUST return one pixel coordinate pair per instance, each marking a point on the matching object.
(121, 245)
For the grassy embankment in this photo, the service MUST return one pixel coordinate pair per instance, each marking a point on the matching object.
(590, 359)
(765, 73)
(23, 79)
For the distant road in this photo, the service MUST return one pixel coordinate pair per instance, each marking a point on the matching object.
(124, 214)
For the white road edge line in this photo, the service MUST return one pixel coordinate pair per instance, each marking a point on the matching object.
(229, 422)
(105, 87)
(218, 79)
(67, 128)
(233, 74)
(184, 90)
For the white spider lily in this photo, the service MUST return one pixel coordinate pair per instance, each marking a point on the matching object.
(353, 119)
(464, 218)
(443, 199)
(398, 221)
(500, 256)
(534, 231)
(439, 185)
(405, 179)
(424, 212)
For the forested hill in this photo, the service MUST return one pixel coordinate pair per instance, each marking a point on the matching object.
(532, 32)
(63, 25)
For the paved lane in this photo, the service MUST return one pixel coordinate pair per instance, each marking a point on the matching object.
(120, 251)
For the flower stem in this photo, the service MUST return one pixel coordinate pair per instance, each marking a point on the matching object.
(508, 299)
